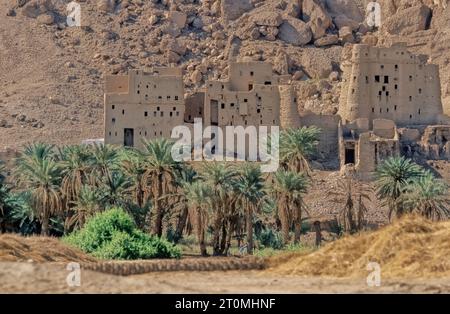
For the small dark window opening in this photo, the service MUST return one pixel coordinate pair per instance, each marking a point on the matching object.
(420, 91)
(232, 105)
(222, 106)
(267, 83)
(159, 97)
(171, 113)
(387, 109)
(174, 108)
(387, 94)
(138, 91)
(396, 86)
(176, 97)
(373, 109)
(418, 111)
(146, 114)
(395, 107)
(384, 88)
(386, 79)
(113, 107)
(162, 113)
(367, 80)
(410, 98)
(251, 73)
(396, 67)
(245, 100)
(377, 78)
(123, 111)
(250, 86)
(258, 110)
(410, 116)
(113, 120)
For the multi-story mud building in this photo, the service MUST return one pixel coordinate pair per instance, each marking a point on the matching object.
(390, 103)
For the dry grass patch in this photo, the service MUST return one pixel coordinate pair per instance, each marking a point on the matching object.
(14, 248)
(410, 248)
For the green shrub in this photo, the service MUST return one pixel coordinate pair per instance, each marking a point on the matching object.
(114, 235)
(270, 239)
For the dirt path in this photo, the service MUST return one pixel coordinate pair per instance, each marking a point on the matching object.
(51, 278)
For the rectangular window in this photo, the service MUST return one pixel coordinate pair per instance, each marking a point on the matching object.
(386, 79)
(146, 114)
(377, 78)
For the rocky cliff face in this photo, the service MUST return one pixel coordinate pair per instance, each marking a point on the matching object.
(52, 74)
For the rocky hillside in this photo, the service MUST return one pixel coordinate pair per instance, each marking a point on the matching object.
(52, 75)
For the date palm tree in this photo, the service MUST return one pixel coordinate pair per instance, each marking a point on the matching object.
(76, 165)
(105, 161)
(289, 190)
(354, 195)
(392, 178)
(250, 190)
(198, 198)
(297, 146)
(184, 179)
(428, 196)
(132, 165)
(159, 178)
(38, 172)
(220, 177)
(89, 201)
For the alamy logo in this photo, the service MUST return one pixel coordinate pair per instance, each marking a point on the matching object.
(73, 14)
(235, 143)
(73, 279)
(373, 18)
(374, 277)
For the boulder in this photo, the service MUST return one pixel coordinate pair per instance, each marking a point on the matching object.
(267, 18)
(294, 31)
(107, 6)
(327, 40)
(316, 16)
(172, 57)
(347, 8)
(408, 21)
(196, 77)
(346, 35)
(316, 63)
(178, 18)
(342, 21)
(233, 9)
(35, 8)
(46, 19)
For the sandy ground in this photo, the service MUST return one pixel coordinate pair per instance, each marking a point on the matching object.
(51, 278)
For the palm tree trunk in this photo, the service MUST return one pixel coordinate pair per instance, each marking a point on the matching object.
(181, 224)
(229, 234)
(201, 233)
(223, 240)
(45, 227)
(216, 238)
(298, 224)
(285, 226)
(249, 222)
(157, 230)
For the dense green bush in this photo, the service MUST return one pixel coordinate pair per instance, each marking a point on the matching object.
(270, 239)
(114, 235)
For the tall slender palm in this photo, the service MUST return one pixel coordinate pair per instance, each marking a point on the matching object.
(89, 202)
(42, 177)
(105, 160)
(220, 177)
(250, 188)
(159, 177)
(289, 190)
(132, 166)
(392, 178)
(297, 146)
(198, 197)
(76, 164)
(428, 196)
(184, 179)
(353, 194)
(116, 191)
